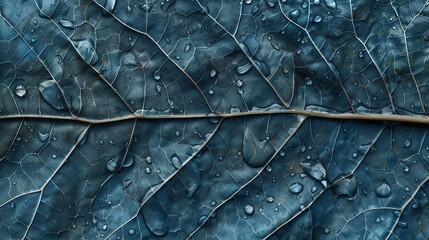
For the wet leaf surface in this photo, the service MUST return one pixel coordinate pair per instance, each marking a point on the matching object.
(212, 119)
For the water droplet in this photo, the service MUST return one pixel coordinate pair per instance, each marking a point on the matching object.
(383, 190)
(240, 70)
(86, 51)
(407, 143)
(295, 13)
(354, 155)
(52, 93)
(104, 227)
(256, 153)
(131, 232)
(43, 136)
(308, 81)
(202, 219)
(158, 88)
(346, 186)
(327, 230)
(316, 2)
(20, 90)
(234, 109)
(176, 162)
(269, 199)
(213, 73)
(148, 159)
(54, 156)
(213, 203)
(110, 5)
(129, 8)
(148, 170)
(113, 164)
(128, 161)
(12, 205)
(187, 47)
(317, 19)
(67, 23)
(271, 3)
(296, 188)
(248, 1)
(249, 209)
(155, 217)
(378, 220)
(313, 189)
(331, 3)
(211, 92)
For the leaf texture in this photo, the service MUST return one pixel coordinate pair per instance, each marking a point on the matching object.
(177, 119)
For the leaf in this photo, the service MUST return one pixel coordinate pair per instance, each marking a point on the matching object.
(214, 119)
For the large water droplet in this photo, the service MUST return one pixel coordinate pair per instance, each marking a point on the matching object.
(155, 217)
(110, 5)
(383, 190)
(43, 136)
(128, 161)
(187, 47)
(249, 209)
(407, 143)
(331, 3)
(20, 90)
(113, 164)
(67, 23)
(240, 70)
(256, 153)
(86, 51)
(295, 14)
(52, 93)
(296, 188)
(346, 186)
(176, 162)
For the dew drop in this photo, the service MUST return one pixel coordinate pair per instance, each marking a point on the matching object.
(295, 13)
(213, 73)
(314, 189)
(240, 70)
(131, 232)
(67, 23)
(176, 162)
(43, 136)
(20, 90)
(104, 227)
(378, 220)
(113, 165)
(249, 209)
(317, 19)
(187, 47)
(407, 143)
(269, 199)
(383, 190)
(296, 188)
(331, 3)
(110, 5)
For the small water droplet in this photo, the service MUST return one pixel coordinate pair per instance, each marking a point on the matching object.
(331, 3)
(43, 136)
(317, 19)
(187, 47)
(176, 162)
(295, 13)
(213, 73)
(12, 205)
(296, 188)
(327, 230)
(407, 143)
(113, 165)
(104, 227)
(354, 155)
(211, 91)
(240, 70)
(20, 90)
(249, 209)
(269, 199)
(314, 189)
(157, 75)
(131, 232)
(308, 81)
